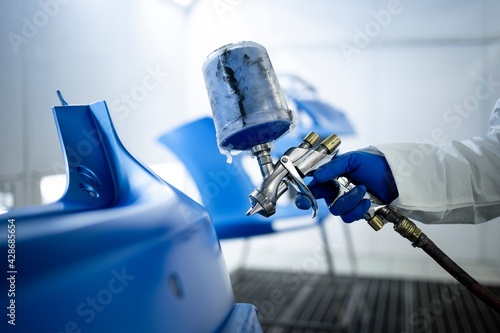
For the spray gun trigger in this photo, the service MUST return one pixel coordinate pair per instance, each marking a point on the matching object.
(343, 186)
(296, 181)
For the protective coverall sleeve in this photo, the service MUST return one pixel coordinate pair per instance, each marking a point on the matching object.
(455, 182)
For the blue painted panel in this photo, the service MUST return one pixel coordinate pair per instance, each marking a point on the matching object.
(121, 251)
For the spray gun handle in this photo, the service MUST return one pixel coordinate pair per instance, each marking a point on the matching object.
(345, 184)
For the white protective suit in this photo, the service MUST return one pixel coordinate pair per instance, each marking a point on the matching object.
(455, 182)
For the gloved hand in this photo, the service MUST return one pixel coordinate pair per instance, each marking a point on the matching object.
(370, 170)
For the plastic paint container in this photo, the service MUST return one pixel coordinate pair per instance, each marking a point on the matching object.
(245, 96)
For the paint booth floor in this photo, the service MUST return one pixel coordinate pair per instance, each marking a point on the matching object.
(298, 301)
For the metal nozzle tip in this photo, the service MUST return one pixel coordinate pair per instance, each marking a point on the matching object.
(250, 211)
(255, 209)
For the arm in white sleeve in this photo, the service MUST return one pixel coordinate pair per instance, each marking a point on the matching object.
(456, 182)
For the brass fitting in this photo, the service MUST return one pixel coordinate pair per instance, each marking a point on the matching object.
(376, 222)
(331, 143)
(407, 229)
(312, 138)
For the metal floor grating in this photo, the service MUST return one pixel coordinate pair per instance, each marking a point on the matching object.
(299, 302)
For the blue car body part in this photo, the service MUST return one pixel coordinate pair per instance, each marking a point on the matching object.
(121, 251)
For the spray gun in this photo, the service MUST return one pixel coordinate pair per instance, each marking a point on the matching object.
(294, 165)
(250, 113)
(299, 162)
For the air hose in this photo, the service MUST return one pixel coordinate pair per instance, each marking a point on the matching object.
(407, 228)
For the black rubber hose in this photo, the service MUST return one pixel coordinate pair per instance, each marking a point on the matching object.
(457, 272)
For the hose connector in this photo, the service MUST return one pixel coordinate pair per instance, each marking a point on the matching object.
(406, 228)
(403, 225)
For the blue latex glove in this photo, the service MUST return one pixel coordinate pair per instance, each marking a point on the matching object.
(368, 169)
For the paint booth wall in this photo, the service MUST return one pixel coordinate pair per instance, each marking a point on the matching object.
(128, 53)
(400, 70)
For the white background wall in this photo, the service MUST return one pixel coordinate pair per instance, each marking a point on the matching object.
(90, 50)
(398, 84)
